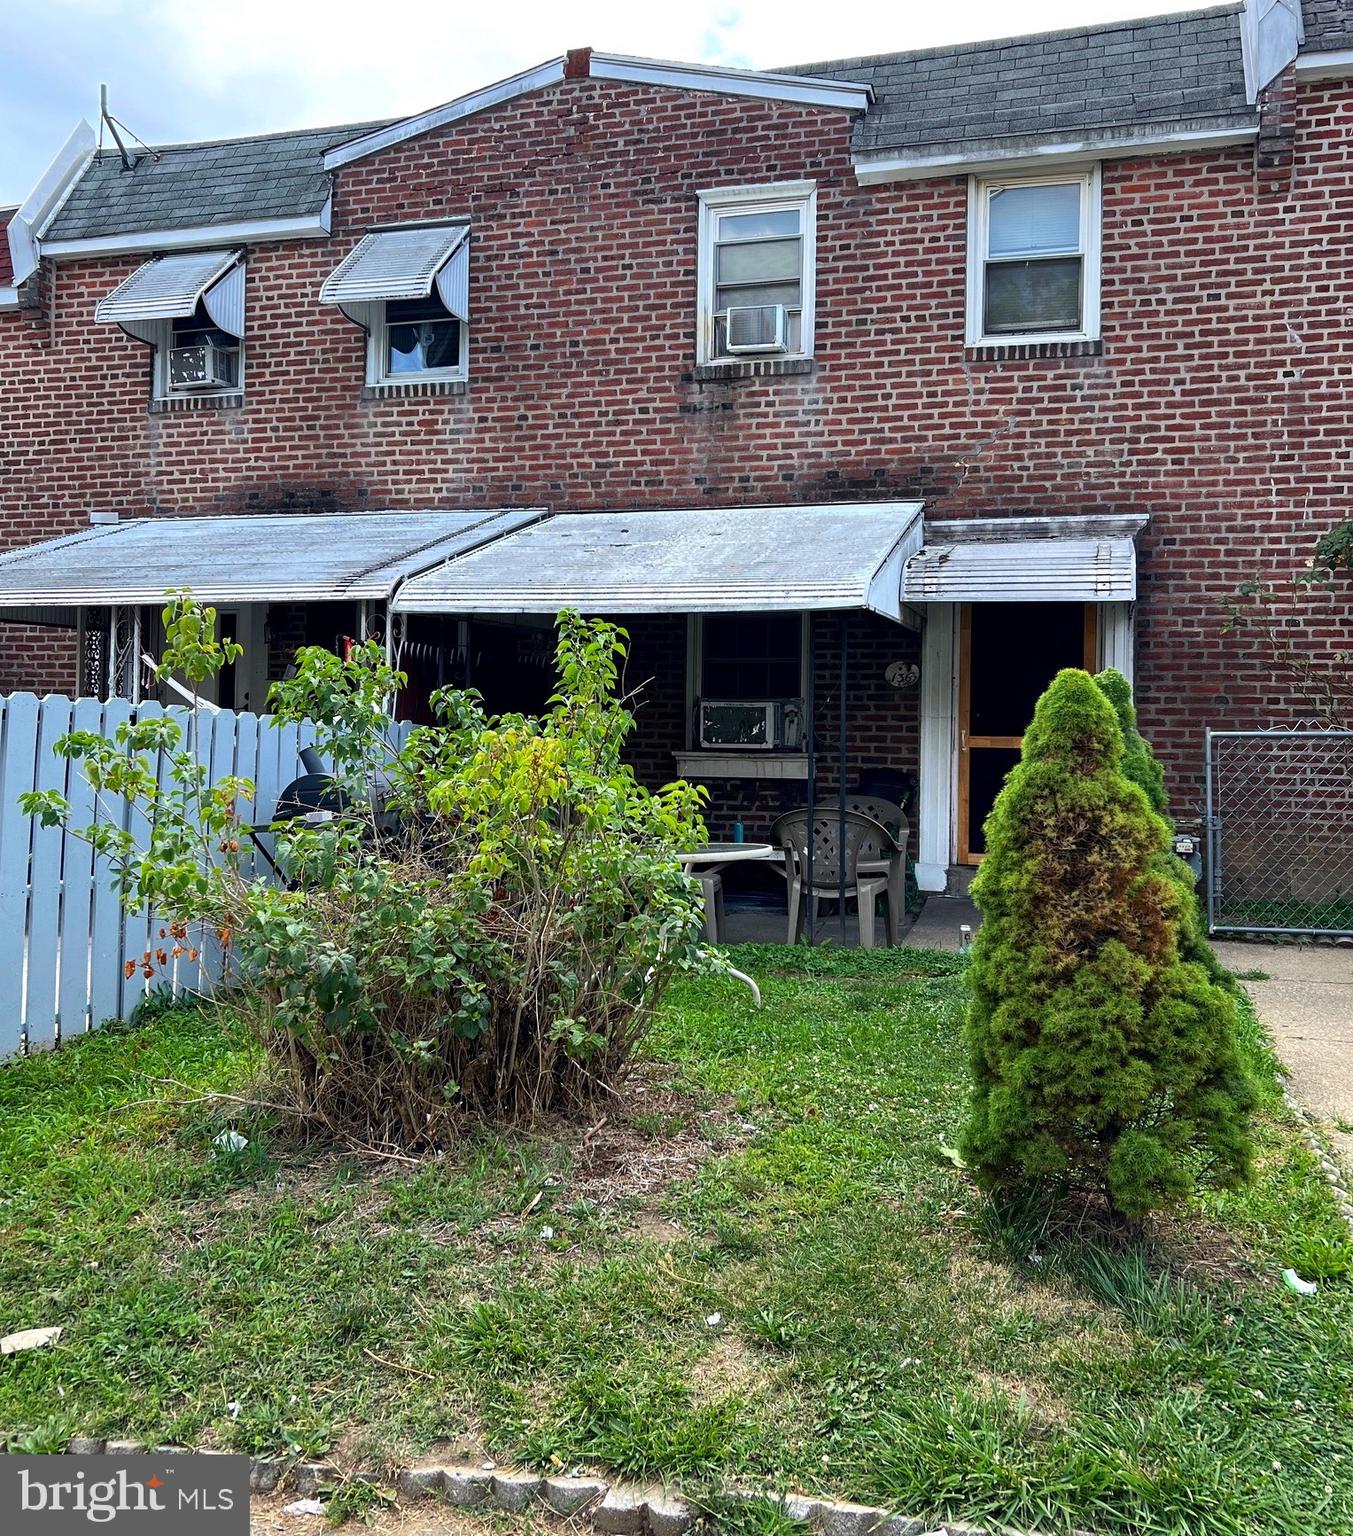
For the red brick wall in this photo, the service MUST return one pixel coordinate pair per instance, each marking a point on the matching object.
(1220, 405)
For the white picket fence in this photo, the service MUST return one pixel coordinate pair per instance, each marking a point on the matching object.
(65, 942)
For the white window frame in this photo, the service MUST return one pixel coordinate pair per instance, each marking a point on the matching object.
(163, 390)
(770, 198)
(980, 190)
(376, 342)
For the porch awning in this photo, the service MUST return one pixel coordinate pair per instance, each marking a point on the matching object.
(1025, 560)
(328, 557)
(171, 288)
(702, 560)
(404, 264)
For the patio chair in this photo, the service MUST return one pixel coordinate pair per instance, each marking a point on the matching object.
(892, 853)
(833, 857)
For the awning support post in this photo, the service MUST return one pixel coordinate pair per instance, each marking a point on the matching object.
(841, 777)
(809, 705)
(110, 668)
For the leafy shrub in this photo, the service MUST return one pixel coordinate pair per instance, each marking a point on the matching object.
(498, 946)
(1139, 763)
(1101, 1059)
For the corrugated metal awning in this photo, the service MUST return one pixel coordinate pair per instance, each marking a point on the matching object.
(703, 560)
(404, 264)
(1025, 560)
(249, 559)
(171, 288)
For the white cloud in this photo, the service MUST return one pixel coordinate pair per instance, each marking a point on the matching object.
(182, 69)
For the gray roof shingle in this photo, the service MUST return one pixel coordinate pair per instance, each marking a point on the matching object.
(182, 186)
(1173, 70)
(1167, 71)
(1329, 25)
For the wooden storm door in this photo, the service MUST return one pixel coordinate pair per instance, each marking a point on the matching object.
(1008, 654)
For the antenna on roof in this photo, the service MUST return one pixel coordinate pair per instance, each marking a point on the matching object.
(106, 117)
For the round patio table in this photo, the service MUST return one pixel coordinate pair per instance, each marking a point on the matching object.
(703, 864)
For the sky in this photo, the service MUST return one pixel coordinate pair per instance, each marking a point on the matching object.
(179, 70)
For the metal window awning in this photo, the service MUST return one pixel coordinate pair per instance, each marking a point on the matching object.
(171, 288)
(404, 264)
(326, 557)
(1025, 560)
(702, 560)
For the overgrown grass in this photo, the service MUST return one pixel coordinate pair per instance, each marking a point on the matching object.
(883, 1333)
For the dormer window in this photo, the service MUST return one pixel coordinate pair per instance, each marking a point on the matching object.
(409, 290)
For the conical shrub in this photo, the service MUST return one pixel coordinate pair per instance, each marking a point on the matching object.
(1140, 764)
(1101, 1058)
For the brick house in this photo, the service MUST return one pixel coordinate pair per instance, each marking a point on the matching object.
(866, 394)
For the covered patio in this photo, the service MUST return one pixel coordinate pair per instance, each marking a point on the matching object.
(792, 659)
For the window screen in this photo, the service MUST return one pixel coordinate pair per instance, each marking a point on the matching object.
(752, 656)
(1033, 268)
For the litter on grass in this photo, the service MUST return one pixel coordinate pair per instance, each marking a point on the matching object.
(1293, 1281)
(28, 1338)
(303, 1507)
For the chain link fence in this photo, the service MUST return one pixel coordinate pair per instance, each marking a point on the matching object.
(1279, 808)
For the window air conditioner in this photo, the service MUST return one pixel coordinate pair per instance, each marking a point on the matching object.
(756, 328)
(203, 366)
(759, 725)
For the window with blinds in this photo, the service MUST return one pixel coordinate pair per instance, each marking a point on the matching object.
(756, 274)
(1034, 259)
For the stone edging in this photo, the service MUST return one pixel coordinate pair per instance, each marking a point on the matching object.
(612, 1509)
(1310, 1134)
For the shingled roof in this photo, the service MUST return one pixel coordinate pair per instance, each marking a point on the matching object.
(187, 186)
(1116, 83)
(1329, 25)
(1166, 71)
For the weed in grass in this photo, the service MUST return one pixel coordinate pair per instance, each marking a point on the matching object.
(747, 1517)
(777, 1329)
(49, 1437)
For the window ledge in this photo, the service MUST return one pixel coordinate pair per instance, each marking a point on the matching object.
(741, 765)
(414, 388)
(167, 404)
(761, 368)
(994, 351)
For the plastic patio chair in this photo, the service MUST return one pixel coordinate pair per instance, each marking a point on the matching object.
(833, 857)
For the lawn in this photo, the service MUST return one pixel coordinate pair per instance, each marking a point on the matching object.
(761, 1267)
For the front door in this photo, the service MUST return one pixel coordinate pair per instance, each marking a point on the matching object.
(1008, 654)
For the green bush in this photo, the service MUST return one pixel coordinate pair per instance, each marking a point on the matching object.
(1139, 763)
(498, 947)
(1102, 1059)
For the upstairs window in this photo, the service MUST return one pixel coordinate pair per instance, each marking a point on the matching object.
(188, 307)
(409, 290)
(199, 355)
(756, 273)
(1033, 259)
(418, 339)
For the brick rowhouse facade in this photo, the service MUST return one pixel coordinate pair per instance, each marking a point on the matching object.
(1219, 402)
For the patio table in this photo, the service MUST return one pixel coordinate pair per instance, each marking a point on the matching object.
(704, 864)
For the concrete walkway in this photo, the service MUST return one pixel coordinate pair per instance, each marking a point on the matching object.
(1306, 1000)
